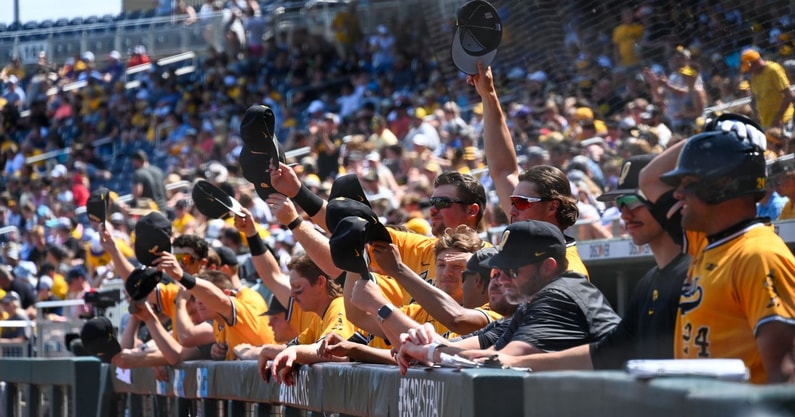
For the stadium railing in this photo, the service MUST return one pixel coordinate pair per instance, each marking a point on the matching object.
(207, 388)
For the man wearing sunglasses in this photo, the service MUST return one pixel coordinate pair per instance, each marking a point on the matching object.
(543, 192)
(558, 308)
(738, 300)
(647, 330)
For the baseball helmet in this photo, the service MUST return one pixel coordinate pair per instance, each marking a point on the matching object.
(726, 167)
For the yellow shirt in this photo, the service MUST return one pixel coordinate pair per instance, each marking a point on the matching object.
(178, 225)
(418, 314)
(575, 262)
(392, 290)
(167, 304)
(788, 211)
(103, 258)
(298, 318)
(766, 88)
(333, 320)
(247, 324)
(59, 286)
(734, 286)
(416, 251)
(626, 37)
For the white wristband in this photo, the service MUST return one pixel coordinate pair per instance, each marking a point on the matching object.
(432, 350)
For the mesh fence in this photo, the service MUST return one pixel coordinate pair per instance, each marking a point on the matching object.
(578, 43)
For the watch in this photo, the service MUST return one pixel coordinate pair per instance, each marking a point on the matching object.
(385, 311)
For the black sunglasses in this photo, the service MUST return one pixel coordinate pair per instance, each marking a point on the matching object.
(444, 202)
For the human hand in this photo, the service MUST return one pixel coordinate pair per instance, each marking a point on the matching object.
(285, 180)
(218, 351)
(167, 263)
(161, 373)
(410, 353)
(387, 257)
(282, 208)
(282, 366)
(334, 345)
(246, 224)
(106, 237)
(264, 365)
(483, 81)
(124, 359)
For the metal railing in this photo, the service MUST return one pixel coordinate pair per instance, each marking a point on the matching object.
(161, 36)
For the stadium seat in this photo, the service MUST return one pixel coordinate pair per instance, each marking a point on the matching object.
(30, 25)
(14, 26)
(62, 22)
(108, 18)
(76, 21)
(3, 27)
(91, 20)
(46, 24)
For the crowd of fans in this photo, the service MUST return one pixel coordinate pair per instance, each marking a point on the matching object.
(374, 105)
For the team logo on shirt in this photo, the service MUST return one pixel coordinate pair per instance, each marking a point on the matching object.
(692, 293)
(770, 285)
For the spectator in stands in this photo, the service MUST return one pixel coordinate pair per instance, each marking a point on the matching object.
(347, 31)
(138, 57)
(382, 50)
(14, 94)
(626, 37)
(673, 92)
(771, 97)
(148, 180)
(79, 284)
(781, 178)
(185, 13)
(14, 68)
(44, 293)
(12, 307)
(23, 289)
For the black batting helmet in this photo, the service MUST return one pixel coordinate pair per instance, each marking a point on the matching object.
(726, 167)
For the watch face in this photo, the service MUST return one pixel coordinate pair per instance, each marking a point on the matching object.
(384, 311)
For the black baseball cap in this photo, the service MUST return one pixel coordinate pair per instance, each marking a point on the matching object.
(142, 281)
(226, 255)
(527, 242)
(258, 131)
(97, 204)
(628, 179)
(274, 307)
(347, 243)
(214, 202)
(477, 36)
(152, 235)
(255, 167)
(99, 339)
(475, 263)
(348, 186)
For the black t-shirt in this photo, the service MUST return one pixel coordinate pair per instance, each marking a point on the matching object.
(647, 331)
(27, 296)
(568, 312)
(488, 335)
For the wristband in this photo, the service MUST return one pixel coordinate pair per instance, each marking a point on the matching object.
(255, 245)
(308, 201)
(293, 224)
(187, 280)
(432, 351)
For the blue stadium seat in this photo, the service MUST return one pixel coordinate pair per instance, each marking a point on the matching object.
(14, 26)
(62, 22)
(77, 21)
(3, 27)
(30, 25)
(108, 18)
(91, 19)
(46, 24)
